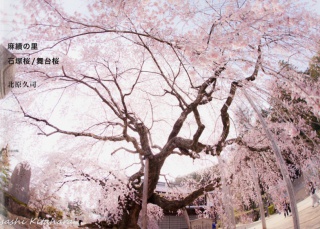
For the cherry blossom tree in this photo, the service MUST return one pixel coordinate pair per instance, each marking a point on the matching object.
(154, 79)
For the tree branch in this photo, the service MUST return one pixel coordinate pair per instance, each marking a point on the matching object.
(174, 205)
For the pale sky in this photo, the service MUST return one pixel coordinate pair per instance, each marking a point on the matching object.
(7, 29)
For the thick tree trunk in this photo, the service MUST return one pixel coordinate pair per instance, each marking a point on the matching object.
(130, 217)
(131, 213)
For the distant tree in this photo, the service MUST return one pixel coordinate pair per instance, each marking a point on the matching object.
(314, 67)
(41, 197)
(4, 169)
(298, 114)
(75, 207)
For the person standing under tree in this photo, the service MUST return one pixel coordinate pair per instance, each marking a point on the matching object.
(314, 196)
(286, 208)
(214, 225)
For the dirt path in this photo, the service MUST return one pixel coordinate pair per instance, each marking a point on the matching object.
(309, 218)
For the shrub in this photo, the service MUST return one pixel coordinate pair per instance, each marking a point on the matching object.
(271, 209)
(57, 214)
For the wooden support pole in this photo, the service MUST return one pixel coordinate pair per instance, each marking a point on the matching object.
(145, 195)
